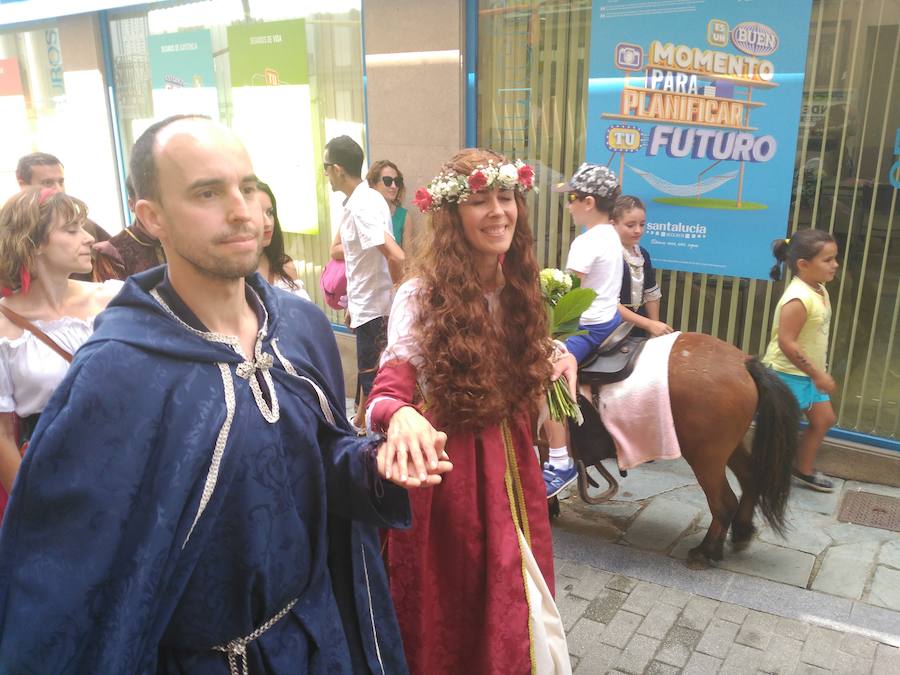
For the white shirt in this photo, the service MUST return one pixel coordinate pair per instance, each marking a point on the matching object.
(299, 288)
(598, 255)
(366, 225)
(30, 371)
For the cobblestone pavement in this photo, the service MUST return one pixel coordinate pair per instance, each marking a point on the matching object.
(621, 624)
(660, 508)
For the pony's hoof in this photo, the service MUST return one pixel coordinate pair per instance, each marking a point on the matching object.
(553, 507)
(697, 560)
(741, 536)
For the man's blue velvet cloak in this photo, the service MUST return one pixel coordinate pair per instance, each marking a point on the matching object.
(102, 567)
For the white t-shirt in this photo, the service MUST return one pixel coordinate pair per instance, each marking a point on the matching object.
(366, 225)
(598, 255)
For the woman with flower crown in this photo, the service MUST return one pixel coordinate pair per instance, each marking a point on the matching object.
(468, 354)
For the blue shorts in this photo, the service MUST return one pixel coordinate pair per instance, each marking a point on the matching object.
(582, 346)
(803, 389)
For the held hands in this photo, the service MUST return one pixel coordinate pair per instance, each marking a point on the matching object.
(657, 328)
(413, 455)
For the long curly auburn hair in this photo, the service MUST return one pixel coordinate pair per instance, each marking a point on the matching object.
(480, 368)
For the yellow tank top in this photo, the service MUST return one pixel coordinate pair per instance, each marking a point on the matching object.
(813, 337)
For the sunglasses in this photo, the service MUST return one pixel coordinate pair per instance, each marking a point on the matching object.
(325, 165)
(390, 181)
(573, 197)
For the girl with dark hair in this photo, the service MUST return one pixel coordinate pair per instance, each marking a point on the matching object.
(797, 351)
(385, 177)
(44, 314)
(640, 295)
(275, 265)
(468, 346)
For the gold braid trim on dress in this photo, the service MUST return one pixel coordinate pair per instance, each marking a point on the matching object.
(516, 496)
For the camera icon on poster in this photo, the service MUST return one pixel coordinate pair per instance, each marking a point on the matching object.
(629, 56)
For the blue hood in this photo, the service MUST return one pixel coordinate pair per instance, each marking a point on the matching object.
(134, 317)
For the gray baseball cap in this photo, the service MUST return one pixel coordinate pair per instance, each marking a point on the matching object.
(592, 179)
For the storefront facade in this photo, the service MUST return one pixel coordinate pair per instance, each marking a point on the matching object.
(414, 81)
(533, 62)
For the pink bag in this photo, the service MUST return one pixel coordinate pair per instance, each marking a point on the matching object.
(334, 284)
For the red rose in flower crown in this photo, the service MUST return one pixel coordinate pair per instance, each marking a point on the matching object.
(477, 181)
(422, 200)
(526, 176)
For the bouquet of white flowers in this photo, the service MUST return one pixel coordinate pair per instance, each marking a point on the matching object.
(566, 302)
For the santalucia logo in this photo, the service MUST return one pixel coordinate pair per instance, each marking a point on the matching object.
(754, 38)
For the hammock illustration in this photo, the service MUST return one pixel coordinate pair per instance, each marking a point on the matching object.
(689, 190)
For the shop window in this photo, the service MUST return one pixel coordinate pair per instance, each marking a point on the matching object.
(284, 78)
(51, 84)
(532, 79)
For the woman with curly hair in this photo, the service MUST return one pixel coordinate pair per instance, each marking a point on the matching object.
(468, 347)
(42, 242)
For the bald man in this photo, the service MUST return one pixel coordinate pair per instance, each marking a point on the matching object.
(193, 499)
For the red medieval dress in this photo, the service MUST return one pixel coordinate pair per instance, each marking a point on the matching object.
(472, 579)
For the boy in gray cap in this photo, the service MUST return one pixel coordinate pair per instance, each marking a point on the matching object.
(595, 256)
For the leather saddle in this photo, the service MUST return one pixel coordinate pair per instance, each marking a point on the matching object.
(614, 359)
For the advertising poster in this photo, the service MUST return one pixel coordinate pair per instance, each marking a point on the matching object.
(14, 122)
(10, 82)
(182, 75)
(696, 106)
(270, 91)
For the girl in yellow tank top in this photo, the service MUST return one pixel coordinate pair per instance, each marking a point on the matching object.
(797, 350)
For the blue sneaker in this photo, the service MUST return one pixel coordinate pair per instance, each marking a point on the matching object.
(557, 480)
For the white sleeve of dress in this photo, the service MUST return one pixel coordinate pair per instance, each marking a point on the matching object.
(7, 400)
(300, 291)
(401, 345)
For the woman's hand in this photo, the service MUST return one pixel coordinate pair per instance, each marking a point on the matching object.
(411, 481)
(565, 365)
(414, 452)
(657, 328)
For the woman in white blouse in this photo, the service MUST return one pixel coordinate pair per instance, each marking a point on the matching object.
(42, 242)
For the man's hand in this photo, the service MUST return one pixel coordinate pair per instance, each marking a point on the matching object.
(411, 481)
(564, 364)
(414, 452)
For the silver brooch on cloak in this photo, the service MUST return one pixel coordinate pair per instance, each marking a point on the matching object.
(262, 362)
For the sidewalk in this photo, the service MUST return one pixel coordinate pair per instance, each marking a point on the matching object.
(618, 623)
(661, 508)
(824, 599)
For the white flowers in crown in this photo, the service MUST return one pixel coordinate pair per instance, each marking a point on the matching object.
(450, 186)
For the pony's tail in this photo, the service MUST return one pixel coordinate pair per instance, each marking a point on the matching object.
(774, 443)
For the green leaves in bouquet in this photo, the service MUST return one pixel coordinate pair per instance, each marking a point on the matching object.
(569, 310)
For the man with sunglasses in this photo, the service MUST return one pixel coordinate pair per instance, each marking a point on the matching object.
(373, 259)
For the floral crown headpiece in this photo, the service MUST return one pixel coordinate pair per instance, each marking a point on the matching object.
(449, 186)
